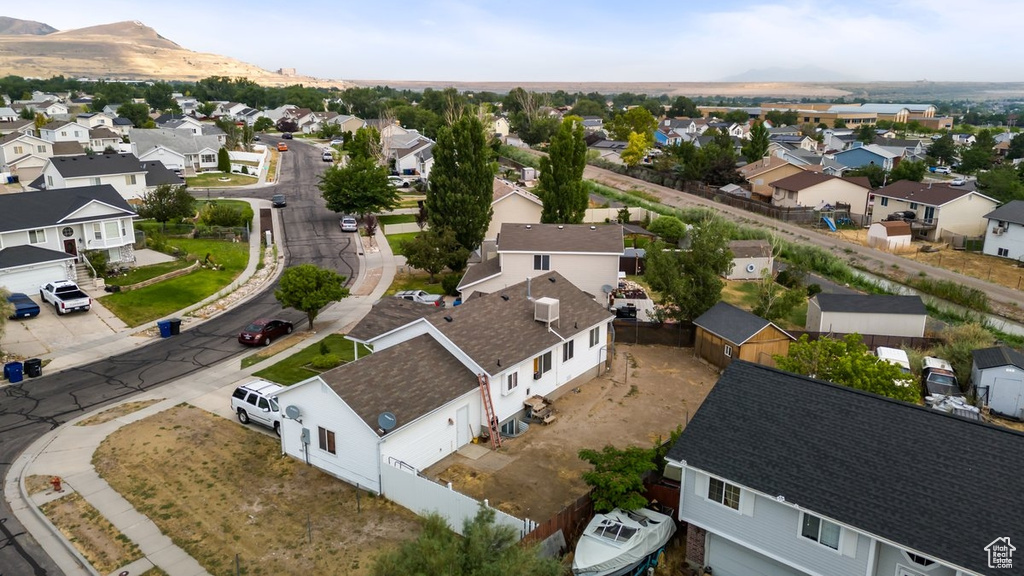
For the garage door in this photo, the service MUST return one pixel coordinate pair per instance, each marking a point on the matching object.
(728, 559)
(29, 279)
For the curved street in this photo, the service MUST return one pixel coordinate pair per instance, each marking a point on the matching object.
(33, 408)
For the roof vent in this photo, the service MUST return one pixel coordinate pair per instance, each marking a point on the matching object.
(447, 318)
(593, 227)
(528, 226)
(560, 227)
(504, 297)
(551, 279)
(545, 310)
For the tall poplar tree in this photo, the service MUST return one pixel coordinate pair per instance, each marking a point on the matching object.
(561, 175)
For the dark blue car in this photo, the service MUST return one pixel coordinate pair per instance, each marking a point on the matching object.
(24, 307)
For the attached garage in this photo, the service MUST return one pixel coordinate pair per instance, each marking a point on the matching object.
(26, 268)
(729, 559)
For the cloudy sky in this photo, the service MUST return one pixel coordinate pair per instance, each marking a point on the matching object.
(575, 40)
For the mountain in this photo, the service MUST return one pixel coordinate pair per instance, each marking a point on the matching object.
(15, 26)
(802, 74)
(123, 51)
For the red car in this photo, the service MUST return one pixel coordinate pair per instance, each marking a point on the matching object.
(264, 331)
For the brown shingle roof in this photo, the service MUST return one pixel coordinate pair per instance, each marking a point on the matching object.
(896, 228)
(478, 272)
(928, 193)
(750, 248)
(763, 165)
(580, 238)
(103, 132)
(502, 188)
(67, 149)
(386, 315)
(806, 179)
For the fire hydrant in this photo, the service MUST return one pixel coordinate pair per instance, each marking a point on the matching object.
(56, 484)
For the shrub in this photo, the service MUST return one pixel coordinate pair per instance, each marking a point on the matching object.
(370, 225)
(98, 260)
(157, 242)
(326, 361)
(214, 214)
(450, 284)
(324, 348)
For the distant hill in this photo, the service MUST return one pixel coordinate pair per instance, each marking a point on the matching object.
(802, 74)
(15, 26)
(122, 51)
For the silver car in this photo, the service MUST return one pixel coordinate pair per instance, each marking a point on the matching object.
(349, 224)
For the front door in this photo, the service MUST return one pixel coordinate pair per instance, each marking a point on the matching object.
(71, 247)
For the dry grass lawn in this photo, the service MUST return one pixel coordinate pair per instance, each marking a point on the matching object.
(218, 489)
(95, 537)
(117, 411)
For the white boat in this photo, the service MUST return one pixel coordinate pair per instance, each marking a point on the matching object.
(622, 542)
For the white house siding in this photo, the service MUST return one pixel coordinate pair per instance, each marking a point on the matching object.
(749, 268)
(28, 169)
(863, 323)
(730, 559)
(891, 558)
(830, 192)
(878, 237)
(965, 215)
(1012, 240)
(67, 133)
(171, 159)
(1005, 389)
(356, 447)
(770, 528)
(512, 209)
(430, 438)
(588, 272)
(127, 190)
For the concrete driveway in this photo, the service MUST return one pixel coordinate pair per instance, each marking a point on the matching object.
(48, 332)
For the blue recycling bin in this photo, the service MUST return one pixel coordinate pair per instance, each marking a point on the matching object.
(165, 328)
(13, 371)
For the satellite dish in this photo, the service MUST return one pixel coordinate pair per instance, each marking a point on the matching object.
(292, 411)
(607, 288)
(387, 421)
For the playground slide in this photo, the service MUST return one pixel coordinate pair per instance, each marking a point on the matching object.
(830, 223)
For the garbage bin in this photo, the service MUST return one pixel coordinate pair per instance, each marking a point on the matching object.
(33, 367)
(12, 371)
(175, 326)
(165, 328)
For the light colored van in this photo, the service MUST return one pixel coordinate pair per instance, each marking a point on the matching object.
(899, 358)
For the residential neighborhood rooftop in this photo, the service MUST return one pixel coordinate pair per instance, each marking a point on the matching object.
(552, 238)
(387, 314)
(807, 179)
(871, 303)
(998, 356)
(30, 210)
(927, 193)
(731, 323)
(96, 165)
(750, 248)
(1009, 212)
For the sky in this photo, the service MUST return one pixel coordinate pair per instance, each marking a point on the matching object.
(584, 41)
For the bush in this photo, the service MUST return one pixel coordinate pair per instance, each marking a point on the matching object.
(157, 242)
(98, 260)
(450, 284)
(326, 361)
(214, 214)
(324, 348)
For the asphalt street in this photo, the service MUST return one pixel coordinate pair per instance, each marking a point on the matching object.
(36, 406)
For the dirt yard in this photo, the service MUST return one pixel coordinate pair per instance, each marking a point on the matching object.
(649, 391)
(218, 489)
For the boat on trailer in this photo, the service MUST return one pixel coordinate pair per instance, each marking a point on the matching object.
(622, 543)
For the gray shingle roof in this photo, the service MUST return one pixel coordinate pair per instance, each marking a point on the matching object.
(180, 141)
(1009, 212)
(480, 271)
(26, 255)
(387, 314)
(998, 356)
(96, 165)
(871, 303)
(550, 238)
(158, 174)
(29, 210)
(732, 323)
(750, 248)
(862, 460)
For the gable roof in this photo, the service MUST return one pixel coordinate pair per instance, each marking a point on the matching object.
(896, 228)
(997, 356)
(387, 314)
(96, 165)
(26, 255)
(733, 324)
(861, 459)
(927, 193)
(102, 132)
(479, 272)
(560, 238)
(766, 164)
(750, 248)
(871, 303)
(68, 149)
(503, 189)
(808, 179)
(180, 141)
(1009, 212)
(29, 210)
(157, 174)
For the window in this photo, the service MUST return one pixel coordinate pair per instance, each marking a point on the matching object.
(919, 559)
(1004, 252)
(821, 531)
(595, 336)
(885, 201)
(41, 149)
(724, 493)
(541, 262)
(567, 351)
(49, 181)
(19, 150)
(129, 179)
(728, 351)
(207, 158)
(541, 364)
(913, 205)
(112, 229)
(97, 231)
(326, 440)
(511, 382)
(37, 236)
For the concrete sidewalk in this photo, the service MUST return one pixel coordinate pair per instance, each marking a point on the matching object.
(67, 451)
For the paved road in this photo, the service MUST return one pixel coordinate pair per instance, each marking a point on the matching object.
(31, 409)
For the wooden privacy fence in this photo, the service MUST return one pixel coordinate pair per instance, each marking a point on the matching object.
(678, 334)
(571, 520)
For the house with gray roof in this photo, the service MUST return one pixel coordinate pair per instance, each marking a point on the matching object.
(1004, 235)
(997, 375)
(24, 155)
(790, 476)
(126, 173)
(178, 149)
(417, 398)
(726, 333)
(876, 314)
(43, 233)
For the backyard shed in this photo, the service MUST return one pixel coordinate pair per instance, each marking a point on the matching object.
(876, 314)
(750, 258)
(890, 236)
(998, 376)
(725, 333)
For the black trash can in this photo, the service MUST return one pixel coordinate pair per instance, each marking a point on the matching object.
(33, 367)
(175, 326)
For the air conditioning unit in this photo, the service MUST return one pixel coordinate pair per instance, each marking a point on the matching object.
(537, 375)
(998, 231)
(545, 310)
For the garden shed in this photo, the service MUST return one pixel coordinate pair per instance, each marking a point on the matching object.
(725, 333)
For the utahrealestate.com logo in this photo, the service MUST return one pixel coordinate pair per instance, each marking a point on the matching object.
(1000, 553)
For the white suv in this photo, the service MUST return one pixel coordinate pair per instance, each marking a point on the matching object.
(257, 402)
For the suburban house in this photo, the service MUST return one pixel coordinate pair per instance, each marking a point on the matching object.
(126, 173)
(412, 154)
(100, 139)
(761, 173)
(431, 380)
(501, 127)
(48, 108)
(816, 189)
(178, 149)
(859, 156)
(58, 131)
(121, 125)
(94, 120)
(19, 125)
(785, 475)
(938, 208)
(24, 155)
(893, 236)
(43, 233)
(750, 259)
(511, 204)
(726, 333)
(998, 378)
(875, 314)
(1004, 235)
(7, 114)
(347, 123)
(588, 256)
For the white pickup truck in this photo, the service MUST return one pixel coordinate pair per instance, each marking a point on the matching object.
(65, 296)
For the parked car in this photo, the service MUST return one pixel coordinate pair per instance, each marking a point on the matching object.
(940, 170)
(278, 201)
(422, 296)
(337, 142)
(349, 224)
(398, 181)
(256, 137)
(282, 147)
(65, 297)
(899, 358)
(264, 331)
(257, 402)
(958, 182)
(24, 307)
(938, 377)
(327, 156)
(287, 135)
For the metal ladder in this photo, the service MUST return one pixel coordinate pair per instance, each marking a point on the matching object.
(492, 420)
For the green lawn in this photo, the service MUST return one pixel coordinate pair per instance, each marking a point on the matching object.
(416, 281)
(395, 241)
(296, 367)
(153, 302)
(212, 180)
(396, 218)
(744, 295)
(137, 275)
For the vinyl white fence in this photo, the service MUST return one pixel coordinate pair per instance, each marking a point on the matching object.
(596, 215)
(422, 496)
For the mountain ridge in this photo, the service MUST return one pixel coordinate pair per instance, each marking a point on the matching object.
(15, 26)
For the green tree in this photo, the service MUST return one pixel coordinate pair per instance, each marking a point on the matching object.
(534, 129)
(908, 170)
(223, 160)
(329, 130)
(1016, 149)
(637, 119)
(737, 116)
(782, 117)
(27, 113)
(690, 281)
(839, 123)
(588, 107)
(847, 362)
(485, 549)
(359, 187)
(263, 124)
(943, 149)
(461, 185)
(866, 133)
(206, 109)
(875, 174)
(757, 146)
(167, 203)
(1002, 183)
(308, 288)
(561, 175)
(636, 149)
(668, 228)
(159, 96)
(775, 301)
(363, 144)
(40, 121)
(683, 107)
(981, 155)
(6, 310)
(653, 106)
(432, 251)
(618, 476)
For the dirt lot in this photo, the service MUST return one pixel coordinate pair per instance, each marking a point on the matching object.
(218, 489)
(649, 391)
